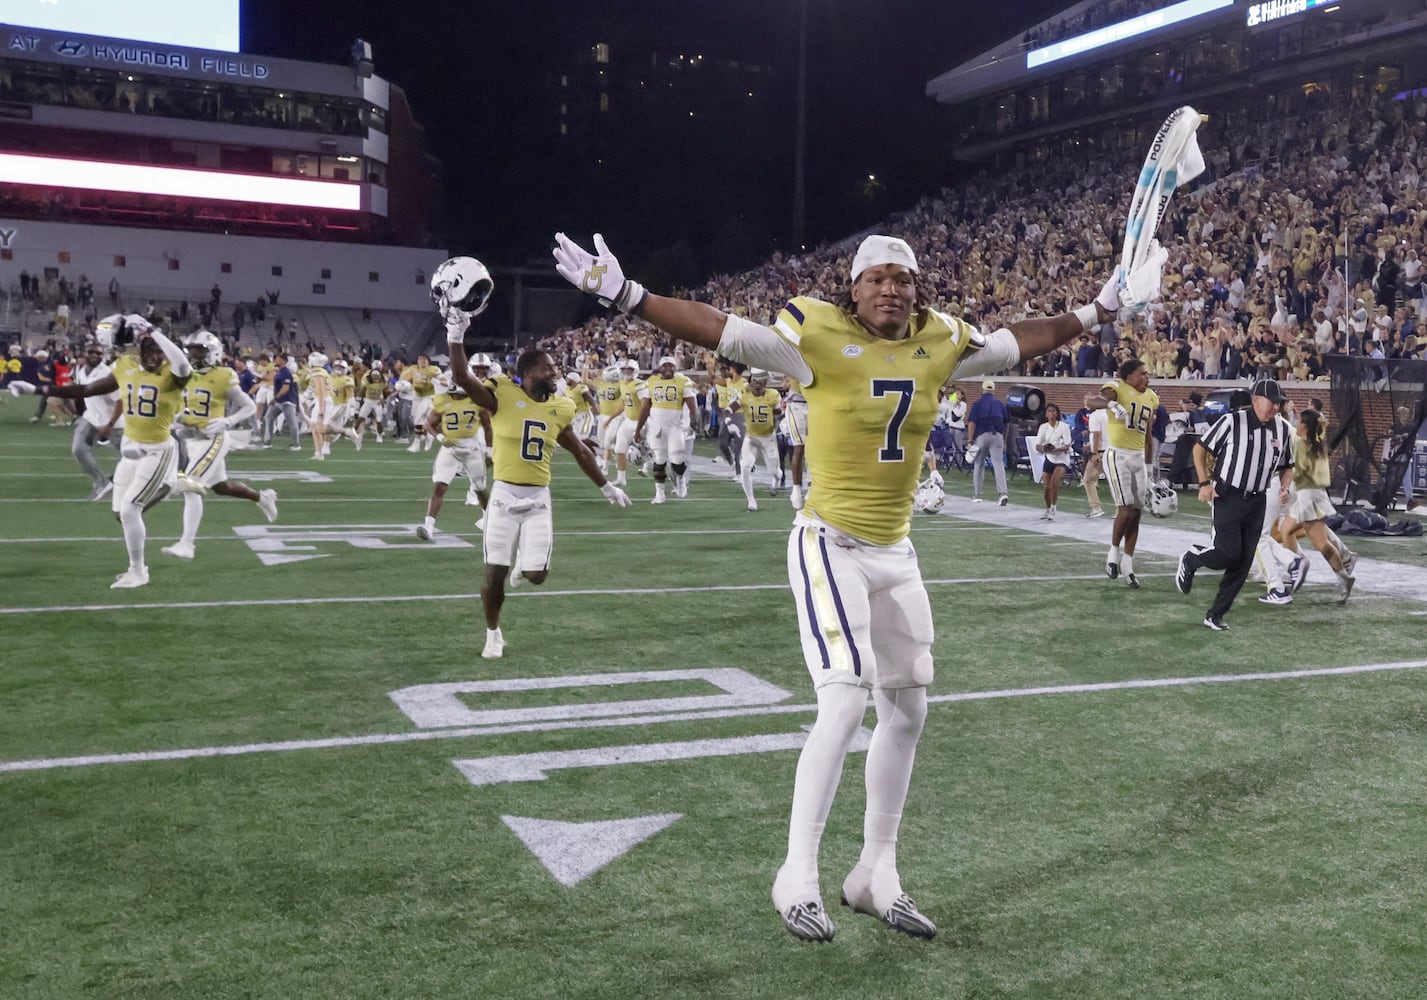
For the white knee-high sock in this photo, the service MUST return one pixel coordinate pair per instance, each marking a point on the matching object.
(841, 708)
(746, 476)
(135, 534)
(901, 714)
(192, 517)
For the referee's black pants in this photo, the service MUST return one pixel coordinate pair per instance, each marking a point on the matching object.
(1238, 522)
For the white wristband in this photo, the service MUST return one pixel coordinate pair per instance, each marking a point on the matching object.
(1089, 316)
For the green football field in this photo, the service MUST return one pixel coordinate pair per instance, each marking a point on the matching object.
(283, 769)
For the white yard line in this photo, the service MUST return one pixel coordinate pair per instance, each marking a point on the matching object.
(467, 732)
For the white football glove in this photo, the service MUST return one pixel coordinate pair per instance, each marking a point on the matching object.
(973, 452)
(216, 426)
(1110, 293)
(734, 430)
(597, 274)
(615, 495)
(457, 322)
(1119, 411)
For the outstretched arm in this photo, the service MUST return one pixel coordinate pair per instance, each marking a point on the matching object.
(104, 386)
(585, 459)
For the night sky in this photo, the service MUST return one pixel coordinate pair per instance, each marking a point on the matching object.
(475, 72)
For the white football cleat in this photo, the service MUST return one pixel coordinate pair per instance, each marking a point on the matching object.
(658, 495)
(900, 913)
(681, 486)
(801, 908)
(752, 506)
(796, 498)
(267, 503)
(495, 645)
(423, 532)
(517, 578)
(472, 498)
(131, 578)
(179, 550)
(187, 484)
(414, 446)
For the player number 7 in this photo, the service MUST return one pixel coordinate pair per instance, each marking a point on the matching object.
(903, 389)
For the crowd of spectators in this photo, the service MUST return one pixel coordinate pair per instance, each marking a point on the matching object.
(1304, 239)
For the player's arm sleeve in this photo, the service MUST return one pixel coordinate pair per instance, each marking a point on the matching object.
(1001, 352)
(177, 360)
(240, 405)
(763, 347)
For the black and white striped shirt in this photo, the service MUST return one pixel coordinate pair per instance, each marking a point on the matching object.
(1248, 454)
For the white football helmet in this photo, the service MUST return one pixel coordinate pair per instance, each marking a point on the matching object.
(635, 455)
(317, 360)
(109, 331)
(611, 374)
(462, 283)
(496, 369)
(479, 361)
(929, 497)
(1163, 501)
(973, 452)
(341, 367)
(631, 368)
(211, 349)
(573, 378)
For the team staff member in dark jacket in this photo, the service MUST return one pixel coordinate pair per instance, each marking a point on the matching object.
(1253, 453)
(986, 428)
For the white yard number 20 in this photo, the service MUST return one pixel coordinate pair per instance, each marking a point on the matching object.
(903, 389)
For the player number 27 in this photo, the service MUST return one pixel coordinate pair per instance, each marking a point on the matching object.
(903, 389)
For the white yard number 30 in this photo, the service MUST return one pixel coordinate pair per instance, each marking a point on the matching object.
(903, 389)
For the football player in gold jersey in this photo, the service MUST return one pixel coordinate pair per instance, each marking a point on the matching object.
(527, 421)
(667, 402)
(422, 376)
(151, 390)
(464, 430)
(212, 403)
(759, 406)
(1132, 404)
(870, 366)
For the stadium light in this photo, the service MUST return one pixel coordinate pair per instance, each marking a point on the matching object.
(1121, 30)
(138, 178)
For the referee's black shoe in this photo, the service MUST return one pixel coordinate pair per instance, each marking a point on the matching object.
(1217, 624)
(1184, 575)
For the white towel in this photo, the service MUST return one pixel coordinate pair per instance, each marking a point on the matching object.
(1174, 159)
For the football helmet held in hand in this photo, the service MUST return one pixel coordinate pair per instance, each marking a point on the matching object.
(1163, 501)
(463, 284)
(929, 497)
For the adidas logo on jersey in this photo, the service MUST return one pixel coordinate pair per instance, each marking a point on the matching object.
(921, 354)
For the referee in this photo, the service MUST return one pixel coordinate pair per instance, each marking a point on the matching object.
(1252, 447)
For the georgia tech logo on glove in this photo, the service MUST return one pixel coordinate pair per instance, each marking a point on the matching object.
(593, 277)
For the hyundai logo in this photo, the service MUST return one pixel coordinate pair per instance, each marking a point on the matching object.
(69, 47)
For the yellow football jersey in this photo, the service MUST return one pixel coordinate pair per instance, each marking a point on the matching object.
(524, 432)
(421, 378)
(669, 393)
(1140, 407)
(759, 412)
(374, 388)
(578, 393)
(460, 418)
(629, 393)
(871, 405)
(151, 401)
(343, 389)
(610, 397)
(205, 397)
